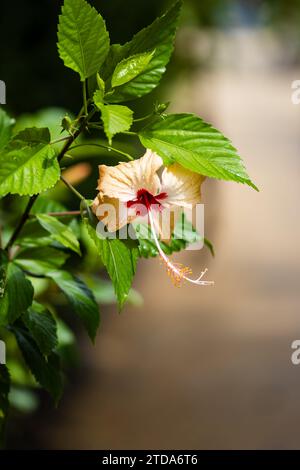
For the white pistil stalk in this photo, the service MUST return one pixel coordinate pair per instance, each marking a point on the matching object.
(177, 273)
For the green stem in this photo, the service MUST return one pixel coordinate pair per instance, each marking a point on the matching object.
(129, 133)
(84, 97)
(22, 221)
(32, 200)
(107, 147)
(73, 137)
(60, 214)
(93, 125)
(59, 140)
(80, 196)
(143, 118)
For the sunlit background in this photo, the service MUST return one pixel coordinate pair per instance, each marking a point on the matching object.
(196, 367)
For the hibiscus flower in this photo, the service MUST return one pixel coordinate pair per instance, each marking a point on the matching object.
(134, 189)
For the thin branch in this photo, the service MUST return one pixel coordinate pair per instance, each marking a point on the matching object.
(71, 139)
(84, 97)
(128, 133)
(23, 220)
(107, 147)
(59, 214)
(59, 140)
(74, 191)
(61, 154)
(94, 125)
(143, 118)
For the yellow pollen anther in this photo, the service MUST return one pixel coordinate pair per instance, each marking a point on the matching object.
(178, 274)
(176, 271)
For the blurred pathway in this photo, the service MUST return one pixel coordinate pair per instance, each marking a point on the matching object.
(210, 367)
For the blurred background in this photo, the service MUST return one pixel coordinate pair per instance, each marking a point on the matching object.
(200, 368)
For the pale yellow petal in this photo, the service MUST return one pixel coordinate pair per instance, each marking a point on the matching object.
(111, 212)
(124, 180)
(183, 187)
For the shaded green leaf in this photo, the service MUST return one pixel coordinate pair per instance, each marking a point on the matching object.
(131, 67)
(30, 136)
(47, 117)
(64, 334)
(18, 295)
(23, 400)
(104, 292)
(83, 40)
(196, 145)
(45, 370)
(60, 232)
(6, 126)
(34, 235)
(43, 205)
(40, 260)
(28, 170)
(4, 402)
(3, 271)
(42, 326)
(81, 299)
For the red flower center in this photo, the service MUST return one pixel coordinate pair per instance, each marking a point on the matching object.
(147, 201)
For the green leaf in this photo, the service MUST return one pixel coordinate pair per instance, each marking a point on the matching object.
(6, 125)
(43, 205)
(60, 232)
(115, 119)
(28, 170)
(184, 234)
(98, 98)
(31, 136)
(104, 292)
(99, 94)
(120, 260)
(65, 335)
(158, 37)
(210, 246)
(47, 117)
(18, 295)
(83, 40)
(4, 402)
(40, 260)
(81, 299)
(3, 271)
(131, 67)
(45, 370)
(34, 235)
(23, 400)
(196, 145)
(42, 326)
